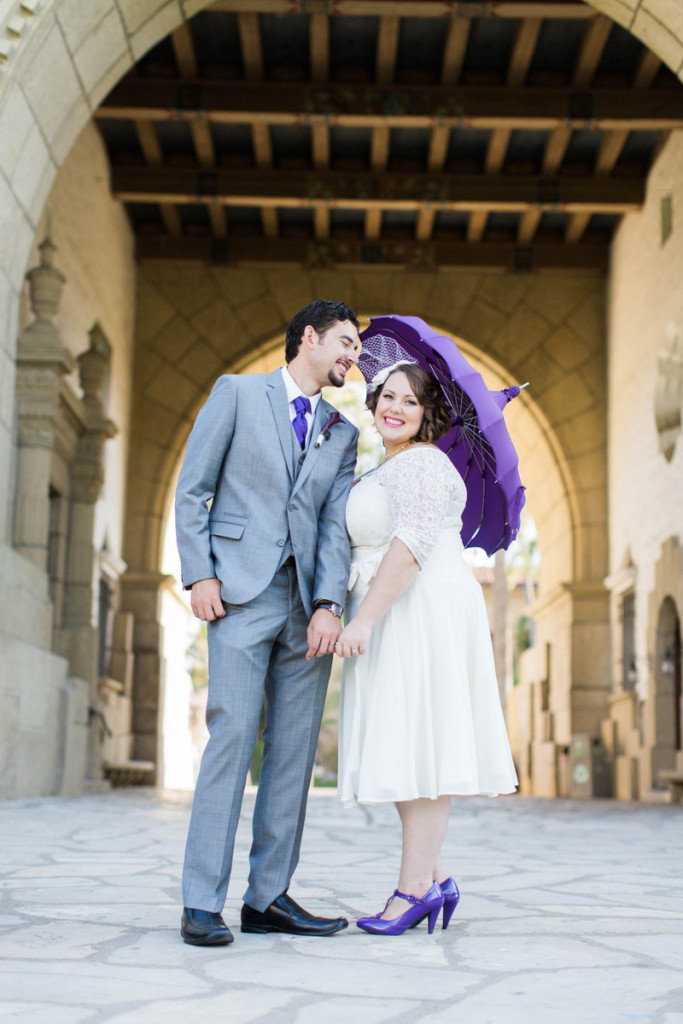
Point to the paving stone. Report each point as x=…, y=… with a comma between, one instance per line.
x=96, y=984
x=571, y=912
x=30, y=1013
x=56, y=941
x=227, y=1006
x=369, y=1010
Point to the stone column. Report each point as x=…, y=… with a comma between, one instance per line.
x=142, y=592
x=42, y=361
x=79, y=638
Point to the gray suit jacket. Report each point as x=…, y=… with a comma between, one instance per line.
x=239, y=459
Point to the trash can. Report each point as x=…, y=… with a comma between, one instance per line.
x=590, y=776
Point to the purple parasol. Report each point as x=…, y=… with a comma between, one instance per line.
x=478, y=443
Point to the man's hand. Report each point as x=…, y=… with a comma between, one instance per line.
x=323, y=630
x=206, y=600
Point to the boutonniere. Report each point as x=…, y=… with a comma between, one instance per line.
x=324, y=434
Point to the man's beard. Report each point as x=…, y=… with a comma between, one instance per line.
x=335, y=380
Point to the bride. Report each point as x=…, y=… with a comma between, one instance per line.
x=420, y=715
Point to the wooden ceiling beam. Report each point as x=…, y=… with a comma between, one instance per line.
x=373, y=224
x=369, y=106
x=528, y=226
x=184, y=52
x=154, y=157
x=438, y=148
x=321, y=222
x=523, y=50
x=379, y=148
x=576, y=228
x=610, y=150
x=365, y=191
x=555, y=148
x=476, y=225
x=495, y=158
x=262, y=145
x=319, y=47
x=454, y=51
x=522, y=54
x=320, y=146
x=436, y=161
x=497, y=150
x=171, y=219
x=331, y=253
x=250, y=41
x=269, y=221
x=148, y=141
x=646, y=71
x=425, y=225
x=218, y=221
x=186, y=61
x=387, y=49
x=263, y=156
x=466, y=9
x=203, y=143
x=594, y=40
x=379, y=159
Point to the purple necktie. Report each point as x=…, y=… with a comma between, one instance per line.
x=300, y=423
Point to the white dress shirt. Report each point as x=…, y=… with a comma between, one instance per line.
x=294, y=391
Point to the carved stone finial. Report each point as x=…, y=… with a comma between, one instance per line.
x=45, y=283
x=93, y=363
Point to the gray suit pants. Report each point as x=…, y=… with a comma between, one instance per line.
x=257, y=648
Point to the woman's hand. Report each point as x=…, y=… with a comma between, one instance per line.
x=354, y=639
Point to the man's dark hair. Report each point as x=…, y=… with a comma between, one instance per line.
x=320, y=314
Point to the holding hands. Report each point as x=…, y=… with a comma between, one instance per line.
x=354, y=639
x=325, y=636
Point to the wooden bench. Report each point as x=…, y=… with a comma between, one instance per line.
x=674, y=780
x=130, y=773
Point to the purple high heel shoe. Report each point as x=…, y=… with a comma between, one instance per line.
x=429, y=906
x=451, y=898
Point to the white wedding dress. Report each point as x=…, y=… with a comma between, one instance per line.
x=420, y=714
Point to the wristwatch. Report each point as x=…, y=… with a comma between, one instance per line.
x=330, y=606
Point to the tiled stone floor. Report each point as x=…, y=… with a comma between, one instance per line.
x=572, y=913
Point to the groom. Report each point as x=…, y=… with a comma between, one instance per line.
x=267, y=564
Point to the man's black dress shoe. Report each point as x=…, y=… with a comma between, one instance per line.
x=204, y=928
x=284, y=915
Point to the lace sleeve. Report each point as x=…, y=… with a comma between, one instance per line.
x=419, y=485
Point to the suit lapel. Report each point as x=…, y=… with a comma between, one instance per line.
x=277, y=394
x=322, y=414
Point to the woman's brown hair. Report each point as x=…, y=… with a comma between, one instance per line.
x=436, y=421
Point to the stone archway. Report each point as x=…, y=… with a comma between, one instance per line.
x=60, y=62
x=195, y=323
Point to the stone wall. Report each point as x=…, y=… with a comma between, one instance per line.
x=48, y=646
x=645, y=470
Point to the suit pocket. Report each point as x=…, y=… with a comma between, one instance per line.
x=227, y=525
